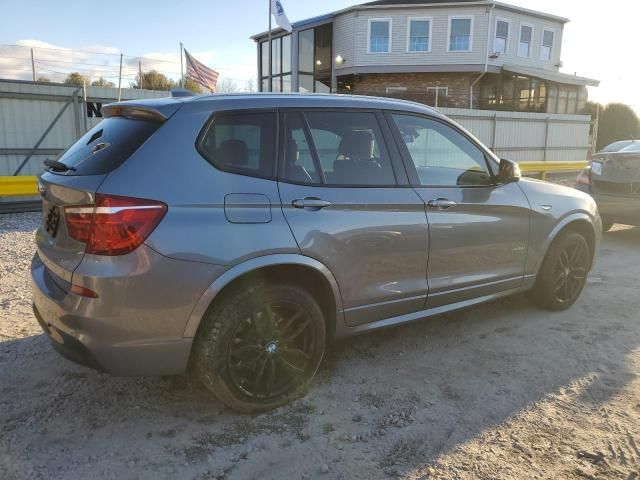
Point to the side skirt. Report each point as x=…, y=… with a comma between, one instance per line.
x=343, y=330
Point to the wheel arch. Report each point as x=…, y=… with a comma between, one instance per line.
x=304, y=271
x=577, y=222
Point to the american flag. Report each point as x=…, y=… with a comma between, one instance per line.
x=200, y=73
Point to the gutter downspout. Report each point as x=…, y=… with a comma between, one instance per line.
x=486, y=57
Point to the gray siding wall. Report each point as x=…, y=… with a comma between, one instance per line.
x=351, y=38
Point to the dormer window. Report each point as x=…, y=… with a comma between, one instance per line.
x=526, y=37
x=460, y=34
x=380, y=35
x=501, y=42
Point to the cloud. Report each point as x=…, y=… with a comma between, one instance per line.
x=94, y=61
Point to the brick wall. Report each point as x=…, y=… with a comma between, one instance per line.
x=417, y=84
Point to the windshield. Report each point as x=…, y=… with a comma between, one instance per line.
x=107, y=145
x=634, y=147
x=616, y=146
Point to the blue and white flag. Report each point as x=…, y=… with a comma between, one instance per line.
x=281, y=18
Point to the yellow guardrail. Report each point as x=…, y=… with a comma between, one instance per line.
x=20, y=186
x=543, y=168
x=23, y=186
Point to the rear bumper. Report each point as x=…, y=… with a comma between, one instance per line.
x=124, y=331
x=616, y=208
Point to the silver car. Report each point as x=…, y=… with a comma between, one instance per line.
x=238, y=234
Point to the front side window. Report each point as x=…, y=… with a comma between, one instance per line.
x=442, y=156
x=379, y=36
x=419, y=35
x=336, y=148
x=501, y=43
x=241, y=143
x=526, y=36
x=460, y=34
x=547, y=45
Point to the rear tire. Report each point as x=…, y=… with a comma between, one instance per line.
x=563, y=274
x=259, y=347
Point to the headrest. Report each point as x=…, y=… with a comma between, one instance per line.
x=234, y=152
x=357, y=145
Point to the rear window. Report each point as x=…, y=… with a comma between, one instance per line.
x=106, y=146
x=242, y=143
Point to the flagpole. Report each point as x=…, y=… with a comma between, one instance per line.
x=181, y=67
x=270, y=79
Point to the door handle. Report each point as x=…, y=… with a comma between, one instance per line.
x=311, y=203
x=442, y=204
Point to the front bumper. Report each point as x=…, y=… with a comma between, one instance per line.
x=127, y=331
x=616, y=208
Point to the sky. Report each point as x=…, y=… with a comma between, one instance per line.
x=599, y=42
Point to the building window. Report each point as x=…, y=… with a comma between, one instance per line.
x=460, y=33
x=501, y=42
x=546, y=51
x=419, y=35
x=437, y=96
x=314, y=59
x=280, y=80
x=526, y=36
x=379, y=36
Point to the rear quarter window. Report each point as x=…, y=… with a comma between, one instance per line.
x=242, y=142
x=107, y=145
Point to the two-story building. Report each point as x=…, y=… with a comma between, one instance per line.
x=457, y=53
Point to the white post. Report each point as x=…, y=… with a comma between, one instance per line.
x=120, y=80
x=270, y=79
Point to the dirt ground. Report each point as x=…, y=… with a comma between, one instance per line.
x=502, y=391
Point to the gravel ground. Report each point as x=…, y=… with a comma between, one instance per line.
x=502, y=391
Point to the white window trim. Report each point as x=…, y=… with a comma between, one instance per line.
x=533, y=33
x=553, y=47
x=495, y=33
x=390, y=22
x=460, y=17
x=429, y=42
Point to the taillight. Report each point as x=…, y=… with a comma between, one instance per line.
x=114, y=225
x=585, y=177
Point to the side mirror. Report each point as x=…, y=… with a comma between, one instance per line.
x=508, y=172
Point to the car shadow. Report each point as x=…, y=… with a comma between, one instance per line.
x=430, y=386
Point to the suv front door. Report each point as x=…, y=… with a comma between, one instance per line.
x=479, y=230
x=347, y=199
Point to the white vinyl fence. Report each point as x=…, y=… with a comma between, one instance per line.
x=39, y=121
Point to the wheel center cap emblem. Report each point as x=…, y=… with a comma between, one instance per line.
x=272, y=348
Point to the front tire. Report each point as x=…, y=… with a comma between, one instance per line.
x=260, y=347
x=563, y=274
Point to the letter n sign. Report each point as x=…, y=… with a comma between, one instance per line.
x=94, y=109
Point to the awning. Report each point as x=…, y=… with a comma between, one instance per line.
x=551, y=76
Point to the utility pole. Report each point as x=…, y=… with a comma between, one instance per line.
x=140, y=74
x=33, y=65
x=120, y=80
x=270, y=80
x=181, y=67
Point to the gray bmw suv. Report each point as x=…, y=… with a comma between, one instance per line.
x=238, y=234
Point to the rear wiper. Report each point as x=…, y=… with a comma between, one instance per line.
x=56, y=166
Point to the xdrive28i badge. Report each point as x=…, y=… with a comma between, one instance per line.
x=52, y=221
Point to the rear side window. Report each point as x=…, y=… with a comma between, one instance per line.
x=348, y=147
x=241, y=143
x=107, y=145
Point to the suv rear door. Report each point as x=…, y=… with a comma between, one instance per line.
x=347, y=199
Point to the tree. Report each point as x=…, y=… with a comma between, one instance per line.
x=101, y=82
x=617, y=122
x=251, y=85
x=193, y=86
x=76, y=78
x=227, y=85
x=42, y=78
x=154, y=80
